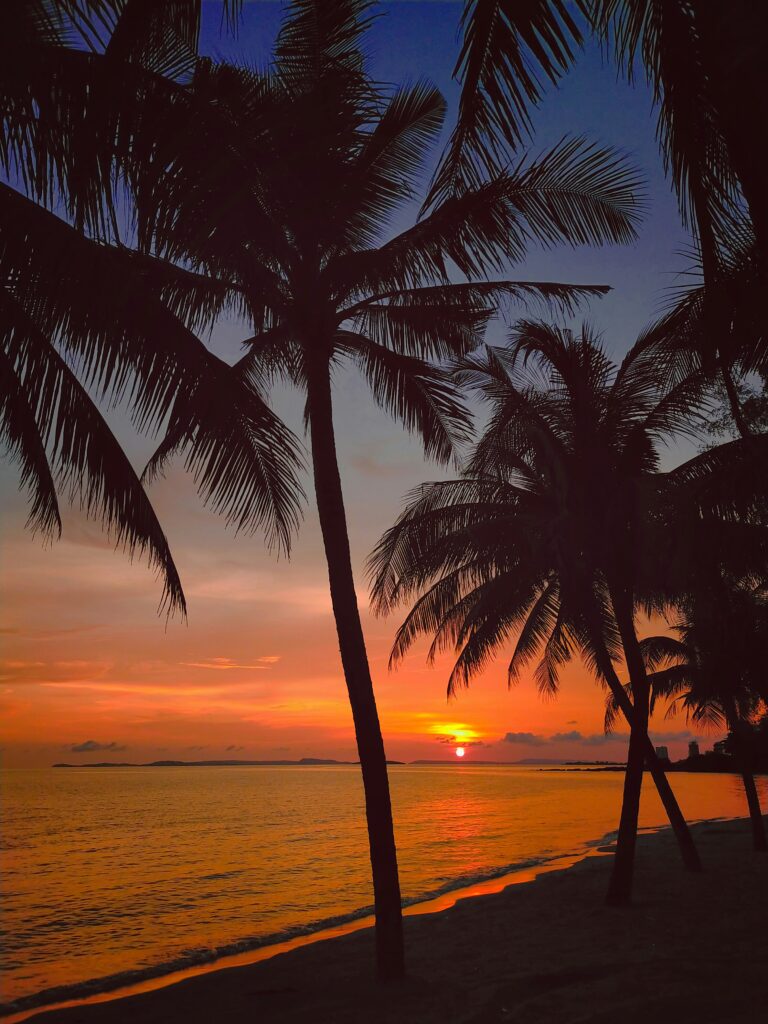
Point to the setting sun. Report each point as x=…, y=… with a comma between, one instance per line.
x=459, y=751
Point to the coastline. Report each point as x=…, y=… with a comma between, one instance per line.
x=136, y=982
x=499, y=943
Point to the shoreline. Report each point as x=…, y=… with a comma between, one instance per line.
x=292, y=973
x=434, y=904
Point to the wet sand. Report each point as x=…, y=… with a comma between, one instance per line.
x=691, y=948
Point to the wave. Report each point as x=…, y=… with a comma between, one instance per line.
x=210, y=954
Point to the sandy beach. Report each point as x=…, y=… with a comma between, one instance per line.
x=546, y=952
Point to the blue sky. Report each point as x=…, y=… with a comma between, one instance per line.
x=412, y=39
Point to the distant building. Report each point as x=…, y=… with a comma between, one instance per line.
x=693, y=749
x=720, y=747
x=662, y=753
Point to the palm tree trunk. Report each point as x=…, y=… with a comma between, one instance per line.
x=685, y=843
x=733, y=401
x=732, y=37
x=620, y=885
x=759, y=841
x=381, y=836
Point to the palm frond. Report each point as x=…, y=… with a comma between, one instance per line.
x=387, y=168
x=20, y=435
x=558, y=650
x=661, y=650
x=579, y=193
x=505, y=44
x=420, y=395
x=87, y=462
x=538, y=627
x=243, y=459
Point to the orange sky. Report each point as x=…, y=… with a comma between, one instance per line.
x=255, y=673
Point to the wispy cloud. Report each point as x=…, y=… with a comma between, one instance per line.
x=90, y=746
x=530, y=739
x=595, y=739
x=450, y=740
x=525, y=739
x=225, y=664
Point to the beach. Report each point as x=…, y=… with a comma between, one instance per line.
x=546, y=952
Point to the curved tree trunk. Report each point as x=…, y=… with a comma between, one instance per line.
x=733, y=401
x=755, y=814
x=759, y=841
x=620, y=885
x=685, y=843
x=381, y=837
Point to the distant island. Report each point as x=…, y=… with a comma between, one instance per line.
x=707, y=762
x=314, y=761
x=526, y=761
x=204, y=764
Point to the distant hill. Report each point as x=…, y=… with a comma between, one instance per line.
x=310, y=761
x=489, y=764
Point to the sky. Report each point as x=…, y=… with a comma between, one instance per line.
x=89, y=670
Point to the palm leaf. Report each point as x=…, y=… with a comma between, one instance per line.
x=20, y=436
x=243, y=459
x=505, y=45
x=418, y=394
x=87, y=462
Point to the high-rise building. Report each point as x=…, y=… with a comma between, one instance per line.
x=662, y=753
x=693, y=749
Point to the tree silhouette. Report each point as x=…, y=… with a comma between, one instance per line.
x=560, y=525
x=706, y=69
x=714, y=670
x=702, y=60
x=292, y=220
x=80, y=312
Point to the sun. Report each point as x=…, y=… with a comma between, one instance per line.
x=460, y=751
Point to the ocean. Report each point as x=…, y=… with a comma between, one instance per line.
x=111, y=875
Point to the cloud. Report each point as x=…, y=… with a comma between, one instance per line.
x=595, y=739
x=599, y=738
x=461, y=742
x=673, y=737
x=529, y=739
x=526, y=739
x=367, y=465
x=224, y=664
x=232, y=747
x=89, y=746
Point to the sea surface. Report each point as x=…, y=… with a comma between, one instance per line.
x=124, y=873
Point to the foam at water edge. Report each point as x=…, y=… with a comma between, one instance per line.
x=47, y=998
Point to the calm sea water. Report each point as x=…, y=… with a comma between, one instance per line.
x=134, y=871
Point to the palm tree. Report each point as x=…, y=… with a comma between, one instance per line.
x=291, y=219
x=705, y=64
x=683, y=339
x=551, y=533
x=77, y=309
x=714, y=671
